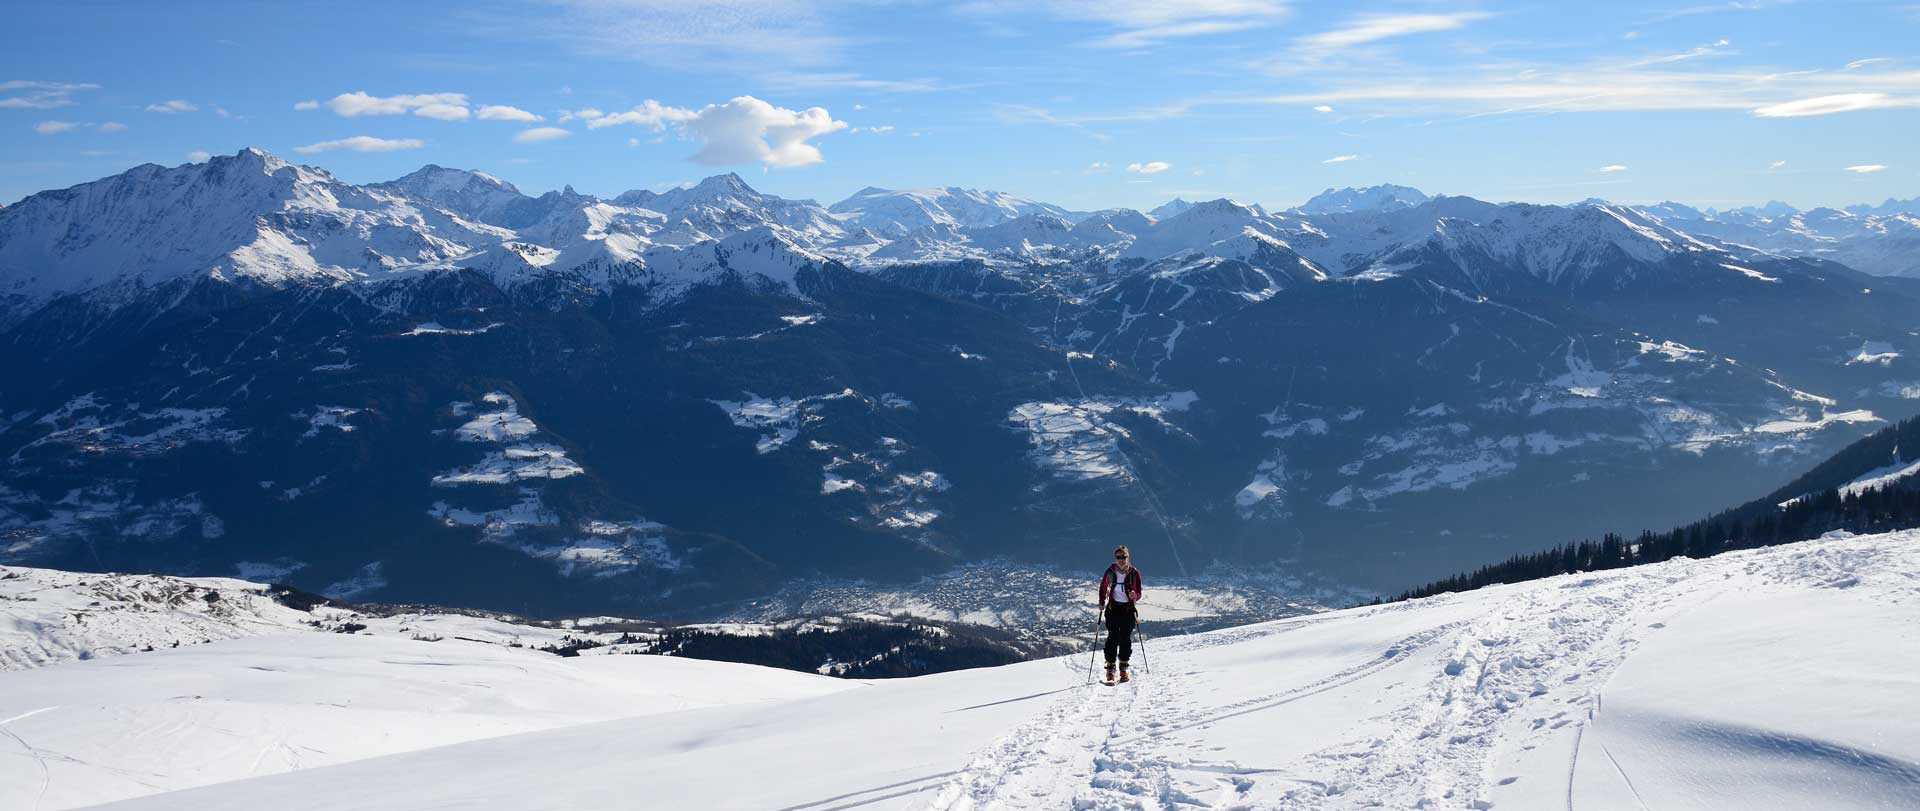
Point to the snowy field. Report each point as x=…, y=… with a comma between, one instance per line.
x=1786, y=678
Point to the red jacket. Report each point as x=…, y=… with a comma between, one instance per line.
x=1133, y=585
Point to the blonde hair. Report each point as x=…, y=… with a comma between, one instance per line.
x=1122, y=550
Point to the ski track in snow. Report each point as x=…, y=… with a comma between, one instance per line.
x=1495, y=688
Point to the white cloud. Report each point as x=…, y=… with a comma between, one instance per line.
x=1096, y=168
x=41, y=95
x=1866, y=168
x=650, y=114
x=859, y=106
x=749, y=35
x=173, y=106
x=54, y=127
x=443, y=106
x=222, y=112
x=1375, y=27
x=1717, y=48
x=309, y=104
x=1322, y=108
x=502, y=112
x=362, y=143
x=1861, y=63
x=744, y=130
x=847, y=81
x=199, y=156
x=1149, y=168
x=1610, y=168
x=1825, y=105
x=1776, y=164
x=1341, y=159
x=1145, y=23
x=881, y=130
x=538, y=134
x=584, y=113
x=112, y=126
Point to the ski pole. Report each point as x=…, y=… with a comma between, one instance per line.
x=1144, y=667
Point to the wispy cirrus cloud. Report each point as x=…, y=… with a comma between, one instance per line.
x=172, y=106
x=1712, y=49
x=1145, y=23
x=1375, y=27
x=743, y=130
x=804, y=80
x=1867, y=168
x=34, y=95
x=361, y=143
x=1341, y=159
x=55, y=127
x=751, y=36
x=1611, y=168
x=1828, y=105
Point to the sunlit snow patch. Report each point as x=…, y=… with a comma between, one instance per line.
x=1078, y=440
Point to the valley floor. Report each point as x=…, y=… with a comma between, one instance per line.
x=1783, y=678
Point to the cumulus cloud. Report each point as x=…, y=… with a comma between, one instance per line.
x=502, y=112
x=173, y=106
x=309, y=104
x=1612, y=167
x=650, y=114
x=584, y=114
x=1149, y=168
x=30, y=95
x=1825, y=105
x=443, y=106
x=744, y=130
x=362, y=143
x=54, y=127
x=1866, y=168
x=199, y=156
x=538, y=134
x=112, y=126
x=1341, y=159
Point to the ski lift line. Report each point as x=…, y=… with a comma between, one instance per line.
x=1153, y=501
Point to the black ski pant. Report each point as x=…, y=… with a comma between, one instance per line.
x=1121, y=617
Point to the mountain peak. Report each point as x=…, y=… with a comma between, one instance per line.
x=1384, y=197
x=1171, y=208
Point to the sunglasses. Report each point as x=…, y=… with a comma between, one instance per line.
x=1119, y=557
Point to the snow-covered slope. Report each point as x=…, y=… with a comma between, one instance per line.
x=894, y=213
x=1385, y=197
x=1768, y=679
x=248, y=216
x=98, y=731
x=476, y=196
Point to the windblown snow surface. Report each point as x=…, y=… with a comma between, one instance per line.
x=1785, y=678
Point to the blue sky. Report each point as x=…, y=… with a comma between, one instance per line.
x=1084, y=103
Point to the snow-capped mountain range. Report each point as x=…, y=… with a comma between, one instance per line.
x=247, y=363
